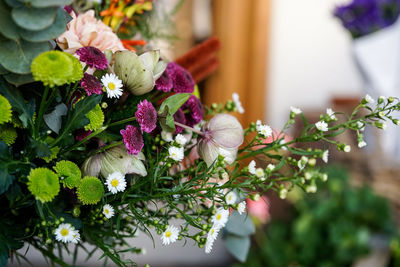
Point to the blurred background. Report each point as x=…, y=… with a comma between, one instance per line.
x=281, y=53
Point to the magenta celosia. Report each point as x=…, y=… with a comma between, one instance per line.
x=195, y=112
x=93, y=57
x=146, y=116
x=133, y=139
x=91, y=84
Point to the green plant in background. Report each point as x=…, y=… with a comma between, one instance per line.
x=333, y=227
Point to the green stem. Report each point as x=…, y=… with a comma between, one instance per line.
x=104, y=148
x=41, y=111
x=51, y=256
x=121, y=122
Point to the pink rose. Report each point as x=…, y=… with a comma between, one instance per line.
x=259, y=209
x=86, y=30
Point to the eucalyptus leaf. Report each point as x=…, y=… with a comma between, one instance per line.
x=34, y=19
x=56, y=29
x=53, y=119
x=240, y=224
x=13, y=3
x=40, y=148
x=238, y=246
x=47, y=3
x=17, y=56
x=3, y=70
x=7, y=26
x=173, y=103
x=18, y=79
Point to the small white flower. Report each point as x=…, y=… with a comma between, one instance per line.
x=282, y=142
x=260, y=173
x=347, y=148
x=325, y=177
x=76, y=237
x=308, y=176
x=331, y=114
x=311, y=189
x=220, y=218
x=170, y=235
x=360, y=126
x=264, y=130
x=369, y=99
x=167, y=136
x=302, y=162
x=108, y=211
x=271, y=167
x=256, y=197
x=295, y=110
x=64, y=232
x=112, y=84
x=231, y=198
x=228, y=156
x=325, y=156
x=180, y=139
x=384, y=126
x=242, y=207
x=176, y=153
x=258, y=124
x=211, y=237
x=116, y=182
x=220, y=190
x=322, y=126
x=283, y=193
x=252, y=167
x=362, y=144
x=225, y=176
x=238, y=104
x=381, y=98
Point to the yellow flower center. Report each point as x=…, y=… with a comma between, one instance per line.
x=168, y=233
x=219, y=216
x=64, y=232
x=111, y=86
x=106, y=211
x=212, y=231
x=114, y=182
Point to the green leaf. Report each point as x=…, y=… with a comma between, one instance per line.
x=17, y=56
x=40, y=148
x=7, y=26
x=18, y=79
x=238, y=246
x=52, y=32
x=167, y=123
x=13, y=3
x=3, y=70
x=173, y=103
x=25, y=110
x=34, y=19
x=53, y=119
x=240, y=224
x=47, y=3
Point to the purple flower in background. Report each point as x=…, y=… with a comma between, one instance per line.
x=93, y=57
x=179, y=116
x=195, y=111
x=82, y=134
x=182, y=80
x=362, y=17
x=146, y=115
x=133, y=139
x=91, y=84
x=164, y=83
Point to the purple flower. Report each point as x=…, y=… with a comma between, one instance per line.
x=182, y=80
x=164, y=83
x=91, y=84
x=179, y=116
x=133, y=139
x=82, y=134
x=146, y=116
x=195, y=111
x=93, y=57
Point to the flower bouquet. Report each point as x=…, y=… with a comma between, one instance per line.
x=99, y=142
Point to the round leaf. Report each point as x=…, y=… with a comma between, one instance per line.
x=46, y=3
x=7, y=26
x=18, y=79
x=34, y=19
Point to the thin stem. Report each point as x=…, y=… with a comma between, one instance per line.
x=41, y=110
x=104, y=148
x=189, y=128
x=121, y=122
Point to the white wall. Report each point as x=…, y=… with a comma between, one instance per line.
x=310, y=58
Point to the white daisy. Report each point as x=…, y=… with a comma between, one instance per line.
x=331, y=113
x=116, y=182
x=211, y=237
x=76, y=237
x=271, y=167
x=252, y=167
x=260, y=173
x=242, y=207
x=176, y=153
x=231, y=198
x=264, y=130
x=362, y=144
x=167, y=136
x=347, y=148
x=170, y=235
x=237, y=102
x=322, y=126
x=295, y=110
x=108, y=211
x=180, y=139
x=112, y=84
x=64, y=232
x=311, y=189
x=369, y=99
x=325, y=156
x=220, y=218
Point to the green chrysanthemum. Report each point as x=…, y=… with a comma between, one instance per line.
x=54, y=152
x=96, y=118
x=8, y=134
x=43, y=184
x=69, y=173
x=5, y=110
x=56, y=68
x=90, y=190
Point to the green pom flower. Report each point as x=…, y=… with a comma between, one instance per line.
x=54, y=152
x=90, y=190
x=69, y=173
x=8, y=135
x=56, y=68
x=43, y=184
x=96, y=118
x=5, y=110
